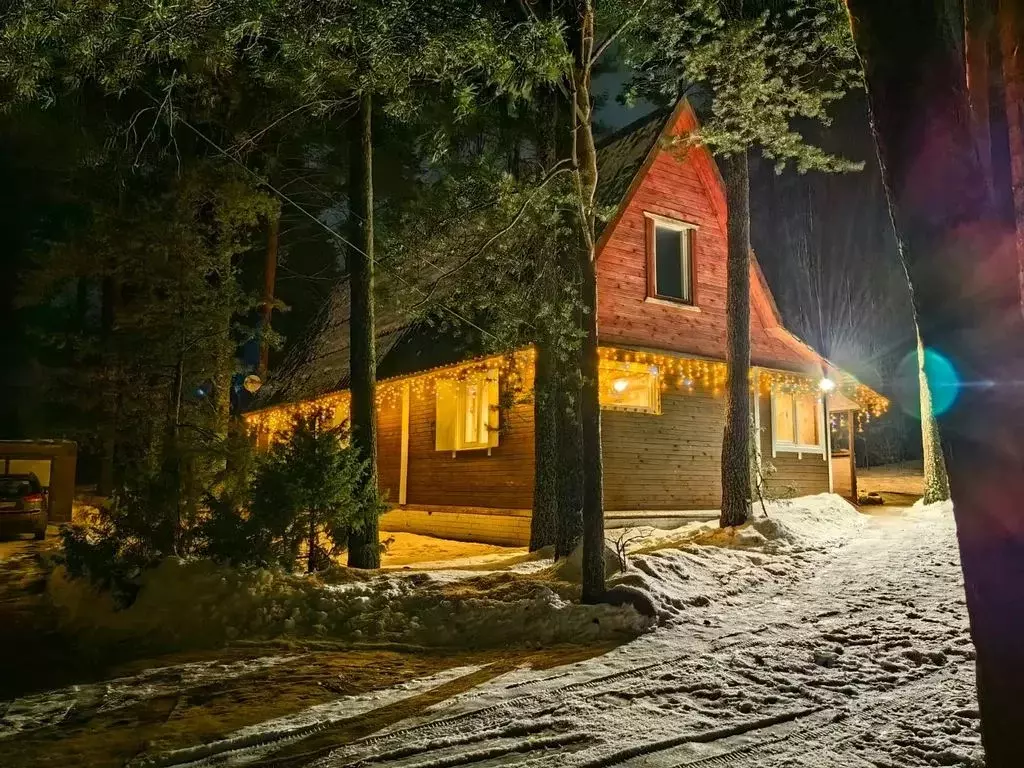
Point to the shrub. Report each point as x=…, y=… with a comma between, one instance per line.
x=305, y=494
x=299, y=500
x=131, y=533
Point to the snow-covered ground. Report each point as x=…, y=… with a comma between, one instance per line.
x=815, y=637
x=905, y=478
x=856, y=654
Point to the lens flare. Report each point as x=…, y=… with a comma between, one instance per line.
x=943, y=382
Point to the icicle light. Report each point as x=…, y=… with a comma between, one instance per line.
x=680, y=374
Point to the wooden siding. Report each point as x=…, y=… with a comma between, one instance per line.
x=666, y=462
x=688, y=190
x=389, y=449
x=469, y=478
x=794, y=475
x=652, y=462
x=842, y=477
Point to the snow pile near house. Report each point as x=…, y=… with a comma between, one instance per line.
x=672, y=575
x=702, y=564
x=199, y=603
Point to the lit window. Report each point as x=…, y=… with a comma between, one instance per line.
x=796, y=422
x=630, y=386
x=467, y=412
x=670, y=259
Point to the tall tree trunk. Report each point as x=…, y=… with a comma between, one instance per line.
x=964, y=275
x=978, y=34
x=593, y=576
x=173, y=455
x=112, y=388
x=364, y=546
x=936, y=482
x=1011, y=43
x=544, y=522
x=736, y=439
x=546, y=390
x=311, y=553
x=580, y=37
x=569, y=525
x=267, y=303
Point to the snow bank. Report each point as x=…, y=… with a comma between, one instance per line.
x=936, y=509
x=701, y=564
x=198, y=603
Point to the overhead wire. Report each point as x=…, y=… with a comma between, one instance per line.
x=316, y=220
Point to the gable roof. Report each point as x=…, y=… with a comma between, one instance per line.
x=649, y=138
x=621, y=155
x=319, y=361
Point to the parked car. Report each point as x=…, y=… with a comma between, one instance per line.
x=23, y=507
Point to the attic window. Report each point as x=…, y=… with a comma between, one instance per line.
x=670, y=262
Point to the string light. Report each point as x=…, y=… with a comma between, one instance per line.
x=684, y=374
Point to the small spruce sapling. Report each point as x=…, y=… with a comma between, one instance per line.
x=306, y=495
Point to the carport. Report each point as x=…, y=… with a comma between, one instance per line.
x=53, y=462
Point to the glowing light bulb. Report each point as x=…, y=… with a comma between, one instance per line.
x=826, y=385
x=620, y=385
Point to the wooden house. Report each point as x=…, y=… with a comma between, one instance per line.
x=454, y=464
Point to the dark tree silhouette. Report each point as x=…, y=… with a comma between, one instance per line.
x=964, y=274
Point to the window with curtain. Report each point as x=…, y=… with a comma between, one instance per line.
x=796, y=422
x=467, y=412
x=628, y=386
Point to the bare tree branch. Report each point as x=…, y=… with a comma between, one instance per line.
x=604, y=46
x=557, y=170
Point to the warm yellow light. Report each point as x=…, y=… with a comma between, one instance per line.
x=687, y=374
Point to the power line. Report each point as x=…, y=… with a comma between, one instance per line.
x=320, y=223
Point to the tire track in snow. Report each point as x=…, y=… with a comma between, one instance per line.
x=867, y=599
x=868, y=591
x=810, y=739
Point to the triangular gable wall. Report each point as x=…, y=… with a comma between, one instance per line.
x=688, y=188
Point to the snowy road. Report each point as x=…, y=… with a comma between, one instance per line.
x=814, y=637
x=864, y=659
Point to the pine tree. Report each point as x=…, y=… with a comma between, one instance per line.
x=760, y=68
x=386, y=57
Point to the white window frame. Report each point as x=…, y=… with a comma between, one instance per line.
x=608, y=366
x=779, y=446
x=481, y=418
x=689, y=232
x=487, y=422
